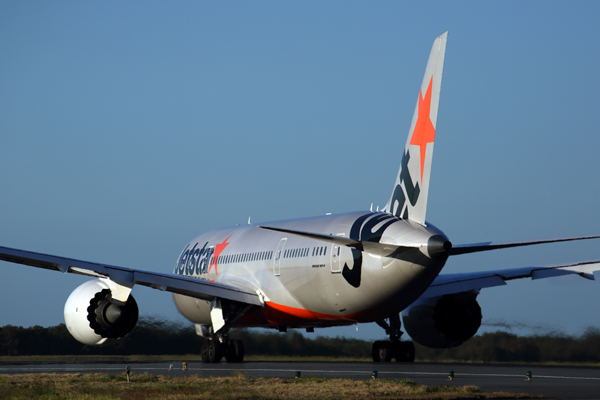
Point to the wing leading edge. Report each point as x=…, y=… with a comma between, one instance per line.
x=188, y=286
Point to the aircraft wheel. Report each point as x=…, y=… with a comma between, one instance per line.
x=215, y=351
x=405, y=352
x=204, y=350
x=385, y=352
x=235, y=353
x=375, y=351
x=382, y=351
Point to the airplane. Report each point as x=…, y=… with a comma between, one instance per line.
x=380, y=266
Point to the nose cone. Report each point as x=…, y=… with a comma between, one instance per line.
x=438, y=246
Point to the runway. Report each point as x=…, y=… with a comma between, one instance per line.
x=550, y=381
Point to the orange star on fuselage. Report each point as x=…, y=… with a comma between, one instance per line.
x=424, y=131
x=218, y=250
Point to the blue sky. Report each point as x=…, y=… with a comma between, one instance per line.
x=128, y=129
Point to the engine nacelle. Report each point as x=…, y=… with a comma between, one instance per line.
x=445, y=321
x=93, y=318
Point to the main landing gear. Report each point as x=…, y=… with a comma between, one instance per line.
x=385, y=350
x=213, y=350
x=217, y=343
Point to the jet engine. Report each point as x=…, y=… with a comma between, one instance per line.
x=445, y=321
x=95, y=319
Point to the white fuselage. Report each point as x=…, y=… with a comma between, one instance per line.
x=310, y=283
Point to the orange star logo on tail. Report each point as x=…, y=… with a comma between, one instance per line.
x=424, y=131
x=218, y=250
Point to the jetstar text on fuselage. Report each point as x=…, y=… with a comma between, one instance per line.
x=194, y=261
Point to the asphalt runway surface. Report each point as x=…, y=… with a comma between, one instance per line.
x=553, y=382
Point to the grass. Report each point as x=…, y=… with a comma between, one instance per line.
x=145, y=386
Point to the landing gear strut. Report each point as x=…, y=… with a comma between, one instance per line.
x=218, y=345
x=384, y=350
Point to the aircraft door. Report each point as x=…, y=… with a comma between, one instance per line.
x=335, y=257
x=278, y=255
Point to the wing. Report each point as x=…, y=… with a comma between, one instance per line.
x=464, y=282
x=486, y=246
x=189, y=286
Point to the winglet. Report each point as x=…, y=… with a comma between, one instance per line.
x=409, y=197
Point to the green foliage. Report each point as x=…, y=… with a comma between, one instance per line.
x=96, y=386
x=404, y=382
x=16, y=340
x=151, y=336
x=154, y=336
x=507, y=347
x=314, y=379
x=442, y=388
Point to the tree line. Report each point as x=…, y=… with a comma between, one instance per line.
x=155, y=337
x=507, y=347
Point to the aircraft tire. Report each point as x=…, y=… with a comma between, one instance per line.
x=382, y=351
x=215, y=351
x=375, y=351
x=204, y=350
x=235, y=353
x=405, y=352
x=385, y=352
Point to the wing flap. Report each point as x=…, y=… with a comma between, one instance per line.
x=189, y=286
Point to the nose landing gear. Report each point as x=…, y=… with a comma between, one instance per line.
x=385, y=351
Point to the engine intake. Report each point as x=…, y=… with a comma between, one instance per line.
x=95, y=319
x=110, y=320
x=445, y=321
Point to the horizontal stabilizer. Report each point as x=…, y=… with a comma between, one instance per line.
x=486, y=246
x=386, y=250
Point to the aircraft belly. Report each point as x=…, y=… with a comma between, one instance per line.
x=389, y=290
x=325, y=298
x=195, y=310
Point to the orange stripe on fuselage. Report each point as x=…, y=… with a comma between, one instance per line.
x=278, y=314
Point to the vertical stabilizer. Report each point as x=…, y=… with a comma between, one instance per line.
x=409, y=197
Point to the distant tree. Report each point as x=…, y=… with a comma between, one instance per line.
x=155, y=336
